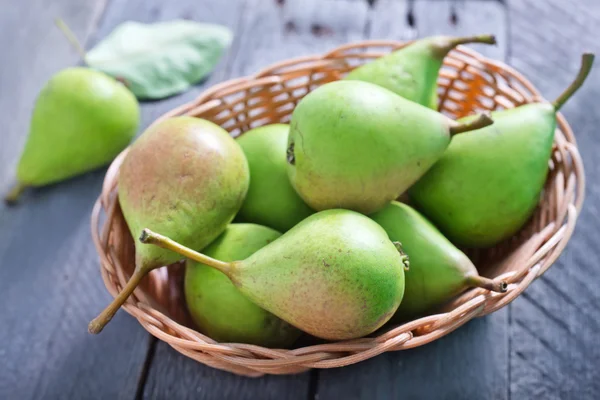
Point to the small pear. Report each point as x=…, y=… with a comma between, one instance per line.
x=218, y=307
x=335, y=275
x=81, y=120
x=183, y=176
x=271, y=199
x=412, y=71
x=488, y=183
x=358, y=146
x=438, y=270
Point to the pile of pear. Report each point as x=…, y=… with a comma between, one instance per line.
x=296, y=228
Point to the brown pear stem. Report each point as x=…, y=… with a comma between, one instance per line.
x=494, y=285
x=14, y=193
x=487, y=39
x=98, y=323
x=587, y=60
x=443, y=45
x=64, y=28
x=150, y=237
x=481, y=121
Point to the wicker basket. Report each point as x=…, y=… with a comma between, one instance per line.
x=468, y=82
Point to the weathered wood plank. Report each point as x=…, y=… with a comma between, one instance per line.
x=459, y=18
x=467, y=364
x=554, y=325
x=173, y=376
x=266, y=32
x=49, y=276
x=42, y=330
x=272, y=33
x=392, y=19
x=170, y=374
x=402, y=20
x=472, y=361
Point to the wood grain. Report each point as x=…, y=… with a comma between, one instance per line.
x=174, y=376
x=266, y=32
x=544, y=345
x=460, y=18
x=271, y=32
x=473, y=361
x=170, y=374
x=49, y=275
x=391, y=19
x=554, y=324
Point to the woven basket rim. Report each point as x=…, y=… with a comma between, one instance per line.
x=540, y=250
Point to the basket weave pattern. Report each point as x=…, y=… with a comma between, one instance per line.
x=468, y=83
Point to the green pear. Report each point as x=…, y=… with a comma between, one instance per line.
x=438, y=270
x=218, y=307
x=183, y=176
x=81, y=120
x=356, y=145
x=271, y=199
x=488, y=183
x=335, y=275
x=412, y=71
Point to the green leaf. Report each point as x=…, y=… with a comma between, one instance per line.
x=161, y=59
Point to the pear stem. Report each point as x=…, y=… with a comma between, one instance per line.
x=487, y=39
x=150, y=237
x=64, y=28
x=442, y=45
x=486, y=283
x=481, y=121
x=587, y=60
x=14, y=193
x=98, y=323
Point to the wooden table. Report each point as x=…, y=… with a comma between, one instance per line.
x=544, y=345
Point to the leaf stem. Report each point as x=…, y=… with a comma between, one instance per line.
x=64, y=28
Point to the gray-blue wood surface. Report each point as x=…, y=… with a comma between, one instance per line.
x=544, y=345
